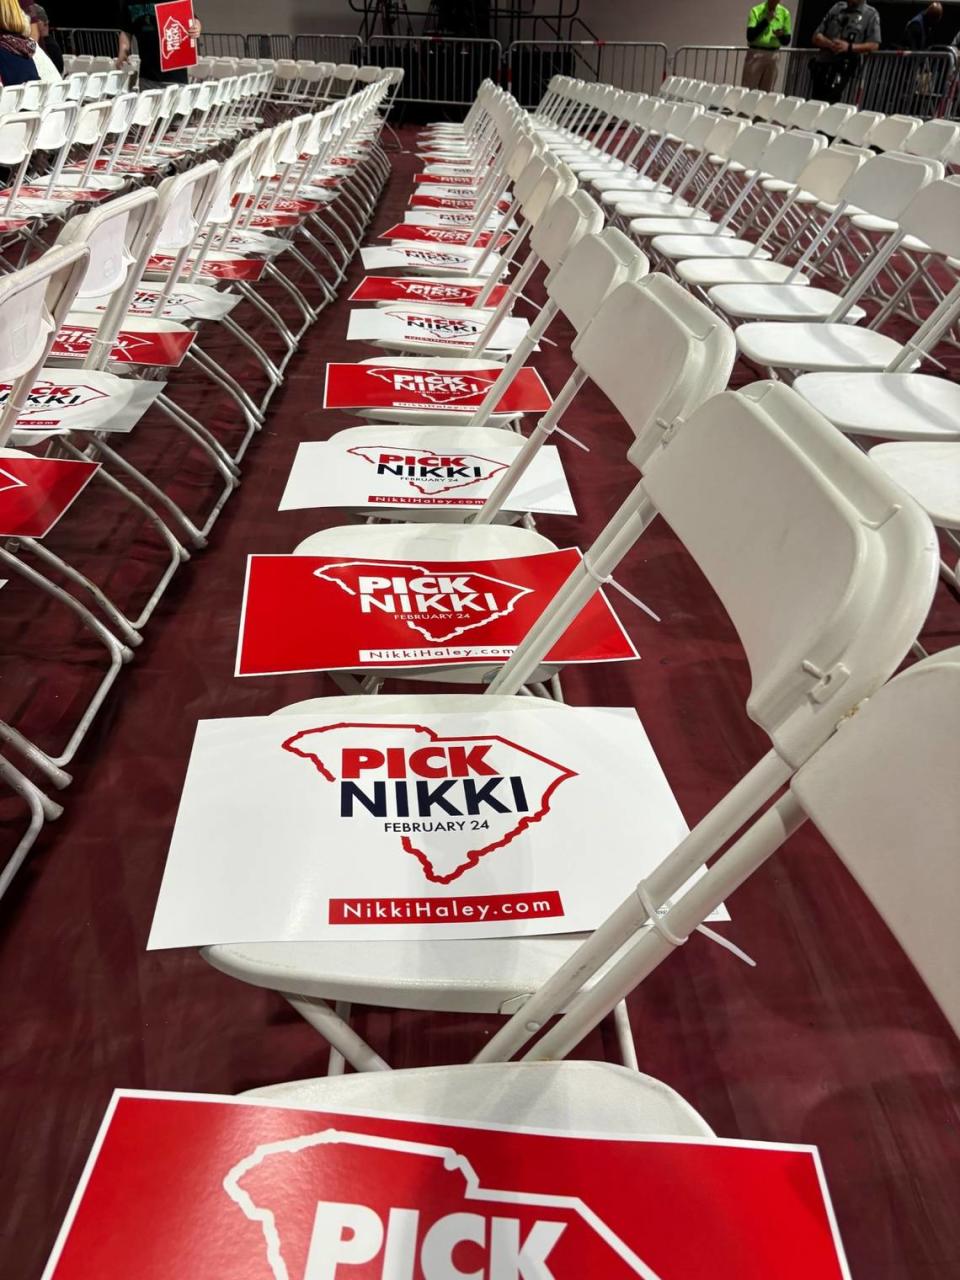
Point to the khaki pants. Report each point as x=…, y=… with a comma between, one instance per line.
x=760, y=69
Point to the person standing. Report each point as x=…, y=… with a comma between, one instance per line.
x=769, y=28
x=919, y=32
x=846, y=31
x=44, y=39
x=16, y=47
x=140, y=21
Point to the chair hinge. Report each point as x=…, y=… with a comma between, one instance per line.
x=827, y=682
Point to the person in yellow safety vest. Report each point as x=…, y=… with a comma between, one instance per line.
x=769, y=27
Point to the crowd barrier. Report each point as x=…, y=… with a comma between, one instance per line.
x=446, y=71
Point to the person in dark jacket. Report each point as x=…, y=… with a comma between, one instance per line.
x=920, y=32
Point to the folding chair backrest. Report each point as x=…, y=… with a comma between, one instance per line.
x=892, y=132
x=827, y=174
x=751, y=143
x=833, y=118
x=788, y=154
x=147, y=107
x=732, y=99
x=887, y=183
x=183, y=204
x=724, y=134
x=91, y=124
x=834, y=597
x=33, y=304
x=535, y=194
x=655, y=352
x=933, y=216
x=807, y=115
x=57, y=93
x=18, y=135
x=747, y=106
x=785, y=110
x=522, y=152
x=96, y=85
x=565, y=221
x=593, y=268
x=767, y=106
x=57, y=127
x=113, y=234
x=883, y=792
x=934, y=139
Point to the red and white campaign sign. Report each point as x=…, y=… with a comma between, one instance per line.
x=441, y=190
x=446, y=218
x=456, y=180
x=440, y=235
x=413, y=326
x=465, y=260
x=215, y=266
x=462, y=824
x=321, y=613
x=186, y=302
x=195, y=1186
x=35, y=492
x=405, y=288
x=60, y=401
x=385, y=386
x=177, y=49
x=419, y=201
x=422, y=469
x=158, y=342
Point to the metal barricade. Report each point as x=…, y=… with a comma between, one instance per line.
x=267, y=45
x=628, y=64
x=99, y=42
x=444, y=71
x=328, y=48
x=891, y=80
x=222, y=44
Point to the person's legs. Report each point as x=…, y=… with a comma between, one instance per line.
x=751, y=71
x=144, y=84
x=768, y=73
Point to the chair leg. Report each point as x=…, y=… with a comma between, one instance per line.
x=42, y=810
x=39, y=759
x=338, y=1033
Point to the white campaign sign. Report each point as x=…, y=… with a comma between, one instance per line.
x=380, y=825
x=413, y=324
x=397, y=472
x=420, y=256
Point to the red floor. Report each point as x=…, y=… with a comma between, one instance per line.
x=831, y=1040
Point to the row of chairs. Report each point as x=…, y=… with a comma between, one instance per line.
x=192, y=204
x=757, y=217
x=824, y=565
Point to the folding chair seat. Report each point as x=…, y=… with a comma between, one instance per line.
x=933, y=219
x=806, y=473
x=576, y=1097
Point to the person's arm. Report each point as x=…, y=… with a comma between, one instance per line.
x=757, y=23
x=871, y=41
x=820, y=39
x=785, y=34
x=123, y=48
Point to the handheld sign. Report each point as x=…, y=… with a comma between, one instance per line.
x=459, y=824
x=330, y=613
x=182, y=1185
x=410, y=289
x=177, y=48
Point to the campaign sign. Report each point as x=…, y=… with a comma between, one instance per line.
x=89, y=401
x=459, y=327
x=442, y=218
x=463, y=203
x=384, y=386
x=419, y=289
x=192, y=1186
x=463, y=261
x=35, y=492
x=461, y=180
x=161, y=343
x=405, y=471
x=323, y=613
x=215, y=266
x=440, y=235
x=177, y=49
x=186, y=302
x=466, y=824
x=440, y=190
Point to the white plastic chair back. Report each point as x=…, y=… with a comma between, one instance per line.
x=57, y=127
x=92, y=121
x=891, y=133
x=785, y=110
x=566, y=220
x=113, y=234
x=935, y=139
x=724, y=134
x=656, y=352
x=751, y=144
x=933, y=216
x=835, y=600
x=57, y=93
x=96, y=85
x=887, y=184
x=832, y=119
x=883, y=792
x=827, y=174
x=807, y=115
x=147, y=108
x=592, y=269
x=858, y=129
x=33, y=304
x=767, y=106
x=788, y=154
x=76, y=86
x=748, y=104
x=18, y=135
